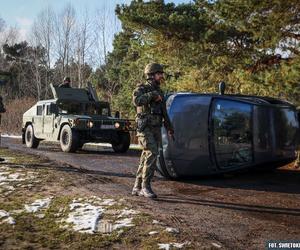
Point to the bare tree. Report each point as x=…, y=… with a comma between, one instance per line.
x=42, y=35
x=84, y=44
x=64, y=30
x=106, y=25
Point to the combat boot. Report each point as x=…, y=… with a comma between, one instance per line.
x=147, y=192
x=137, y=187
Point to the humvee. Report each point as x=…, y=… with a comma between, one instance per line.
x=73, y=117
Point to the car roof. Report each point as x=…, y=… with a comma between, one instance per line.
x=245, y=98
x=46, y=101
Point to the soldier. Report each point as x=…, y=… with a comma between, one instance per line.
x=151, y=112
x=66, y=83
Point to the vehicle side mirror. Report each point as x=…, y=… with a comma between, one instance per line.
x=117, y=114
x=222, y=87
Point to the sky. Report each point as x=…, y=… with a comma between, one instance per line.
x=21, y=13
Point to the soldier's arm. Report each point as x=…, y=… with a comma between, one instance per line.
x=140, y=98
x=167, y=121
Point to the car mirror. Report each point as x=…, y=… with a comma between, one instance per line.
x=117, y=114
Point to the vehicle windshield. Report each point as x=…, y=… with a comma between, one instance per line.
x=76, y=108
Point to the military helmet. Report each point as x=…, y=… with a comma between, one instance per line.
x=153, y=68
x=67, y=79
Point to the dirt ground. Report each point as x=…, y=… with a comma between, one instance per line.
x=236, y=211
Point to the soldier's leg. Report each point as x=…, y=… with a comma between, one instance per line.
x=157, y=139
x=139, y=175
x=139, y=172
x=151, y=152
x=150, y=166
x=138, y=180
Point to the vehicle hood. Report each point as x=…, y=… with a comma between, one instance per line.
x=94, y=117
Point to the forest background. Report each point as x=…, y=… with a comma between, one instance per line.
x=252, y=45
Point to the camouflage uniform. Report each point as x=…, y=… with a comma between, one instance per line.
x=66, y=83
x=150, y=115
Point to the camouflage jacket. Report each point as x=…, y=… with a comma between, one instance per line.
x=153, y=112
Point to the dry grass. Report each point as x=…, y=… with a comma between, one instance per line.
x=12, y=118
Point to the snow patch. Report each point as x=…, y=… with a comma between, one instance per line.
x=10, y=179
x=8, y=176
x=86, y=216
x=38, y=205
x=156, y=222
x=153, y=232
x=172, y=230
x=127, y=222
x=11, y=136
x=125, y=212
x=7, y=159
x=168, y=246
x=216, y=245
x=6, y=217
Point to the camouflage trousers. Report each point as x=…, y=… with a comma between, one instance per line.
x=150, y=140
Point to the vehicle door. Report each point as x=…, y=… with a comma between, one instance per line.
x=38, y=121
x=48, y=120
x=232, y=138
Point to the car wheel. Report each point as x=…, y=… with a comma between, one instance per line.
x=123, y=143
x=69, y=140
x=30, y=140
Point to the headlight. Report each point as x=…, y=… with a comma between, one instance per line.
x=117, y=125
x=90, y=124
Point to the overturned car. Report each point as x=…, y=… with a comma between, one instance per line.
x=217, y=133
x=75, y=116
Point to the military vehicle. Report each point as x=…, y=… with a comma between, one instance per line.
x=217, y=133
x=75, y=116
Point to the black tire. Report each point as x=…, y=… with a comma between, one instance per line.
x=69, y=140
x=30, y=140
x=123, y=143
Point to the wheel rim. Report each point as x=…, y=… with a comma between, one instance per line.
x=65, y=138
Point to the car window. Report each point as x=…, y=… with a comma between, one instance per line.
x=39, y=110
x=48, y=112
x=105, y=111
x=232, y=132
x=286, y=127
